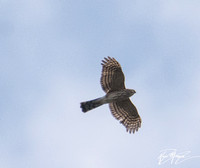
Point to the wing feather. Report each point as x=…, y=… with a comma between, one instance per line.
x=127, y=114
x=112, y=77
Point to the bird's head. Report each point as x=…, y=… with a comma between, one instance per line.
x=131, y=92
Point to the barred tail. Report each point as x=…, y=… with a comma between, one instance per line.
x=89, y=105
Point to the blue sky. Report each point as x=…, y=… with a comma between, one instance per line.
x=50, y=54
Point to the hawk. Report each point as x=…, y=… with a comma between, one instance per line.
x=117, y=96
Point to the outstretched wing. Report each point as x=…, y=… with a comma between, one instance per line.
x=127, y=113
x=112, y=77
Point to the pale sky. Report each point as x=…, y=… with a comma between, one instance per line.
x=50, y=55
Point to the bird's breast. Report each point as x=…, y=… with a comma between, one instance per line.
x=117, y=96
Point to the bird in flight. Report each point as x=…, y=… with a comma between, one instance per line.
x=117, y=96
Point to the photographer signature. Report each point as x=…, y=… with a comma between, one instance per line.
x=172, y=156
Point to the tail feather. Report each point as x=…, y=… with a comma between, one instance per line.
x=89, y=105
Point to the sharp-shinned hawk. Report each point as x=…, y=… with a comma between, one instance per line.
x=117, y=96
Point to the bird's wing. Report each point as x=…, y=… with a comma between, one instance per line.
x=127, y=113
x=112, y=77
